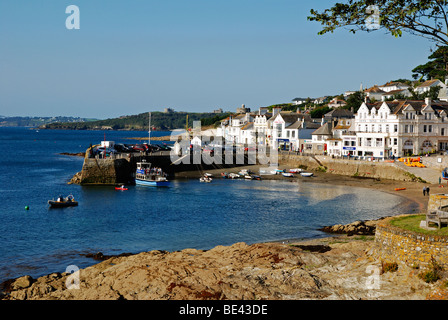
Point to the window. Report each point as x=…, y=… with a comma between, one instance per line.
x=430, y=128
x=406, y=129
x=395, y=127
x=379, y=142
x=442, y=131
x=293, y=134
x=395, y=141
x=368, y=142
x=425, y=128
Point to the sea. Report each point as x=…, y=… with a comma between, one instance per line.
x=189, y=214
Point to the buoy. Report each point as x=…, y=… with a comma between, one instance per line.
x=27, y=208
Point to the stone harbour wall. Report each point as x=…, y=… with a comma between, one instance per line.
x=413, y=249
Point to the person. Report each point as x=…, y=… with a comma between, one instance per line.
x=427, y=191
x=424, y=190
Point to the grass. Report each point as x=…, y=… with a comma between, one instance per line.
x=412, y=223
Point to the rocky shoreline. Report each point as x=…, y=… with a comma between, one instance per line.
x=333, y=268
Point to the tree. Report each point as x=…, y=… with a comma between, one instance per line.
x=425, y=18
x=355, y=101
x=437, y=68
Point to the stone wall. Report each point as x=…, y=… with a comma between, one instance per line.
x=413, y=249
x=105, y=171
x=356, y=168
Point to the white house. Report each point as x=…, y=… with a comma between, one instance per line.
x=401, y=128
x=427, y=85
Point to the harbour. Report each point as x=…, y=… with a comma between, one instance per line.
x=42, y=241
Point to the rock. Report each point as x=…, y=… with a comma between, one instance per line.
x=22, y=283
x=355, y=228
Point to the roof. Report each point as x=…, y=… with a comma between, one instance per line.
x=428, y=83
x=324, y=130
x=395, y=83
x=339, y=113
x=248, y=126
x=374, y=89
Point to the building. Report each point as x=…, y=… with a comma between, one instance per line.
x=401, y=127
x=427, y=85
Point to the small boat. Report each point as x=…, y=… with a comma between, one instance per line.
x=224, y=175
x=278, y=171
x=295, y=170
x=445, y=174
x=233, y=175
x=400, y=189
x=205, y=179
x=208, y=175
x=287, y=174
x=255, y=177
x=63, y=202
x=122, y=188
x=248, y=177
x=306, y=174
x=150, y=177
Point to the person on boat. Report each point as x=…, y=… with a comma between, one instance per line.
x=60, y=198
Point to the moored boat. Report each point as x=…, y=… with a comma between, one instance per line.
x=205, y=179
x=63, y=202
x=445, y=174
x=122, y=188
x=150, y=177
x=287, y=174
x=306, y=174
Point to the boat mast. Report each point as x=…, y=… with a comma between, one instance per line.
x=149, y=129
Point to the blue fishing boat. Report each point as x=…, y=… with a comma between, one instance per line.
x=150, y=176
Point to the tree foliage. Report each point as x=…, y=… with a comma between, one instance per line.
x=436, y=68
x=425, y=18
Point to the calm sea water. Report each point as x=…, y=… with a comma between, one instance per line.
x=187, y=215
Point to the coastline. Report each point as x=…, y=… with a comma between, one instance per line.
x=412, y=197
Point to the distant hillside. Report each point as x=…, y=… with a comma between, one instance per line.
x=159, y=121
x=37, y=121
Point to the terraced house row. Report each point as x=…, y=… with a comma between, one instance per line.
x=381, y=130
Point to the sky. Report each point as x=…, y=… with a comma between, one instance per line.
x=130, y=57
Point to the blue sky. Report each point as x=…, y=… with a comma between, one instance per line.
x=130, y=57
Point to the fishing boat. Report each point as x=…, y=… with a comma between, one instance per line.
x=445, y=174
x=287, y=174
x=306, y=174
x=63, y=202
x=150, y=177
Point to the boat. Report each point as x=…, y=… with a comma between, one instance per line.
x=400, y=189
x=122, y=188
x=248, y=177
x=278, y=171
x=233, y=175
x=287, y=174
x=306, y=174
x=63, y=202
x=150, y=177
x=295, y=170
x=205, y=179
x=224, y=175
x=208, y=175
x=445, y=174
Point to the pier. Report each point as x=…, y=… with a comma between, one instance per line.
x=120, y=168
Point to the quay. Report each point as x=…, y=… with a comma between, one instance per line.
x=120, y=168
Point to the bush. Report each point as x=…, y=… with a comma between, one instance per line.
x=389, y=266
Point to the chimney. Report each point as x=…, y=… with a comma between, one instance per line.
x=276, y=111
x=428, y=101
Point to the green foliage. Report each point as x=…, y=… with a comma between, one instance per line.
x=389, y=266
x=425, y=18
x=434, y=273
x=159, y=121
x=436, y=68
x=319, y=112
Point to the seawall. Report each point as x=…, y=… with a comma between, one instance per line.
x=410, y=248
x=354, y=168
x=121, y=171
